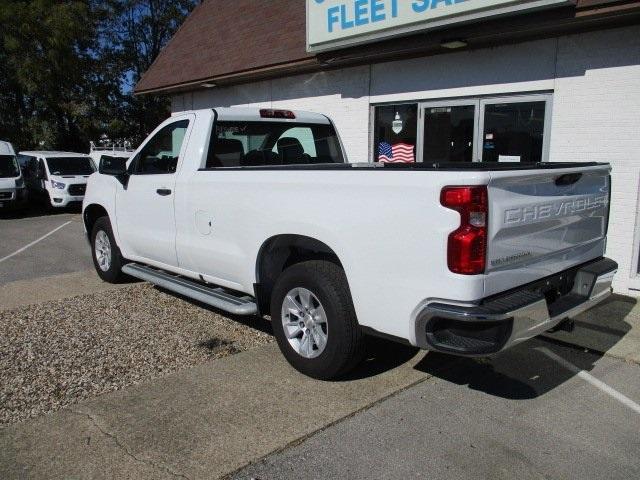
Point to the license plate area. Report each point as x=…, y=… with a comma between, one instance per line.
x=555, y=287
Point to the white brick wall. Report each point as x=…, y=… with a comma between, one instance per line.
x=596, y=117
x=595, y=78
x=467, y=73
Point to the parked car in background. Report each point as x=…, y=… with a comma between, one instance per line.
x=109, y=150
x=57, y=178
x=13, y=194
x=257, y=211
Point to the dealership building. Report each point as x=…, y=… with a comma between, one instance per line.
x=433, y=80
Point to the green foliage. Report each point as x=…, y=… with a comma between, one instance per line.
x=69, y=67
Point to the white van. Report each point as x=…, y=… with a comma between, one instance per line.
x=13, y=193
x=58, y=178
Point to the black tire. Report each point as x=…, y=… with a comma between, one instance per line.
x=345, y=341
x=113, y=274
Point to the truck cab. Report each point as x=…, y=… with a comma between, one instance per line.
x=12, y=189
x=59, y=179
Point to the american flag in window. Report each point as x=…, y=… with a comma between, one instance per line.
x=396, y=153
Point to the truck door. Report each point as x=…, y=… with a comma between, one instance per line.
x=145, y=207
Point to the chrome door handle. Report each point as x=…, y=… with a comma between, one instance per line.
x=163, y=191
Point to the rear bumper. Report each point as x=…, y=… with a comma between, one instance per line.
x=503, y=321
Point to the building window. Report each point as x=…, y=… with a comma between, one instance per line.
x=448, y=133
x=513, y=131
x=512, y=128
x=395, y=133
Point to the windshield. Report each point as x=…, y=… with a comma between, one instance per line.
x=9, y=166
x=70, y=166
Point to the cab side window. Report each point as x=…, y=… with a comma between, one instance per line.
x=160, y=154
x=27, y=164
x=33, y=167
x=23, y=161
x=41, y=170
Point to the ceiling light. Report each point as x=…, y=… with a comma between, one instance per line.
x=452, y=44
x=208, y=85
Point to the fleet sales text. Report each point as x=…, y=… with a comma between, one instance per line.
x=362, y=12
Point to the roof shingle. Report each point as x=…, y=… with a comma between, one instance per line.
x=228, y=36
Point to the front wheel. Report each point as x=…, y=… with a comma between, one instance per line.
x=107, y=259
x=314, y=321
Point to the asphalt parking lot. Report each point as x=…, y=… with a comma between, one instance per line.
x=44, y=256
x=119, y=384
x=60, y=246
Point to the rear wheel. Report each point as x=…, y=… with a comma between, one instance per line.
x=107, y=259
x=314, y=321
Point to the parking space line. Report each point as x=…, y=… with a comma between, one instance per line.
x=592, y=380
x=29, y=245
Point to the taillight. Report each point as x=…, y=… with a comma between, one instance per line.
x=467, y=246
x=271, y=113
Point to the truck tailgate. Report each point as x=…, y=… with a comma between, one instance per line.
x=542, y=222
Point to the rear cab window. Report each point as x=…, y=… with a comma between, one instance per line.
x=264, y=143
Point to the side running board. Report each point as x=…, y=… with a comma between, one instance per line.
x=215, y=296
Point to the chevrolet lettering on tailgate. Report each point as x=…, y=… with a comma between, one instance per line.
x=557, y=209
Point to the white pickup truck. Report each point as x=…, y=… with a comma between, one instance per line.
x=257, y=212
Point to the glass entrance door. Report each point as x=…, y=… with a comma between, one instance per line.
x=449, y=131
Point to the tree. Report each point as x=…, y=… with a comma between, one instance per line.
x=69, y=68
x=52, y=81
x=137, y=32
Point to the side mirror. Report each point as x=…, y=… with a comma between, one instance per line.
x=115, y=166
